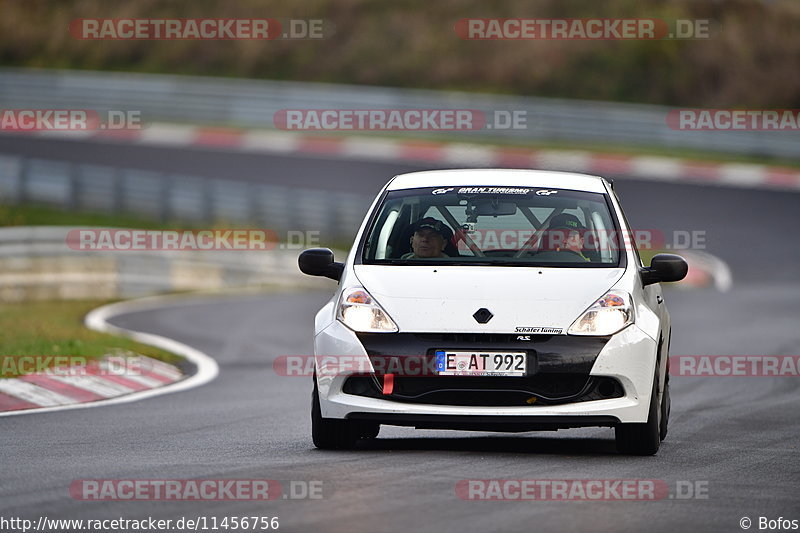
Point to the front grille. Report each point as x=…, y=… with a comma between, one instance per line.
x=541, y=389
x=550, y=353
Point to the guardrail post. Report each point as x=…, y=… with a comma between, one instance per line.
x=165, y=207
x=253, y=205
x=208, y=201
x=74, y=200
x=24, y=178
x=118, y=202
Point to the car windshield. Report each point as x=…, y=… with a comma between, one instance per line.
x=527, y=226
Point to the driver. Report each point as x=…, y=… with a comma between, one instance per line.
x=564, y=236
x=429, y=239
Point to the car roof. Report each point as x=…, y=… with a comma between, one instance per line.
x=494, y=177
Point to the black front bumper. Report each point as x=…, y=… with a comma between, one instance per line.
x=557, y=372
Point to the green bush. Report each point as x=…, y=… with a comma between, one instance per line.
x=751, y=58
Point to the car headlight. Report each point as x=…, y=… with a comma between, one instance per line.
x=608, y=315
x=359, y=311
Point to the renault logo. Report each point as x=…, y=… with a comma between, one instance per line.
x=482, y=315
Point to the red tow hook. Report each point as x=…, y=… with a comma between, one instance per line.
x=388, y=383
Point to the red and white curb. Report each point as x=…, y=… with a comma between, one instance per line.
x=59, y=388
x=656, y=168
x=39, y=393
x=705, y=270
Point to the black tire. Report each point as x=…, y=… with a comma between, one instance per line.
x=368, y=430
x=644, y=438
x=666, y=405
x=336, y=434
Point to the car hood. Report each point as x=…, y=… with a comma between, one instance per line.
x=444, y=298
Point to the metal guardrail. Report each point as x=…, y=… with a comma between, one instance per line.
x=37, y=263
x=190, y=199
x=253, y=103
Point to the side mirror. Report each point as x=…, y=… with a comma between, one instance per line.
x=319, y=262
x=665, y=267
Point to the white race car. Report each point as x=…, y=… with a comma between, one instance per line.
x=494, y=300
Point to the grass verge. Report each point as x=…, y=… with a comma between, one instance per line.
x=55, y=328
x=38, y=215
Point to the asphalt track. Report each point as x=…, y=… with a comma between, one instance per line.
x=736, y=436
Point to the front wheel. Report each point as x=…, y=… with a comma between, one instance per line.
x=645, y=438
x=334, y=433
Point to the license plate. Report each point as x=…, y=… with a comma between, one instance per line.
x=452, y=363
